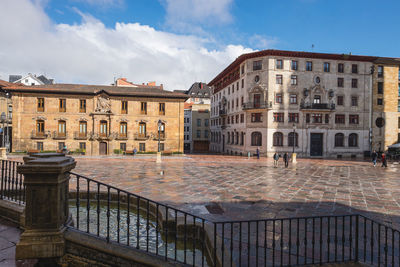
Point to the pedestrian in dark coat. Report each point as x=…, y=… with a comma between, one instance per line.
x=374, y=157
x=286, y=159
x=276, y=158
x=258, y=153
x=384, y=161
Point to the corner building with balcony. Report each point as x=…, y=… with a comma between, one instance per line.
x=315, y=104
x=96, y=119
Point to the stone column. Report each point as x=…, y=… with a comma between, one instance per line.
x=46, y=180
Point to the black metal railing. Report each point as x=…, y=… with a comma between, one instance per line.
x=120, y=216
x=257, y=105
x=12, y=183
x=317, y=106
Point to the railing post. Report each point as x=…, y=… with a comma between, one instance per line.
x=356, y=237
x=46, y=213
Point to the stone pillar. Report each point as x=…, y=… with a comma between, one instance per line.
x=46, y=180
x=3, y=153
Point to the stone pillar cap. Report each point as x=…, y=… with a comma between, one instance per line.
x=46, y=163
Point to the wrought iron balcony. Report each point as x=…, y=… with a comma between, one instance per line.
x=80, y=136
x=222, y=112
x=39, y=135
x=141, y=136
x=163, y=136
x=121, y=136
x=60, y=136
x=101, y=136
x=317, y=106
x=256, y=105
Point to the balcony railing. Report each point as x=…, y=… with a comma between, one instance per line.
x=256, y=105
x=121, y=136
x=319, y=106
x=101, y=136
x=80, y=136
x=163, y=136
x=60, y=136
x=222, y=112
x=141, y=136
x=39, y=135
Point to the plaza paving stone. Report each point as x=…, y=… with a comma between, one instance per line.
x=240, y=189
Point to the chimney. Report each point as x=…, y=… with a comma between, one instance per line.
x=161, y=86
x=152, y=83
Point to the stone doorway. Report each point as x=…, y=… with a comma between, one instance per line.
x=103, y=148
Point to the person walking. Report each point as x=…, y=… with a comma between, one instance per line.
x=276, y=158
x=374, y=157
x=258, y=153
x=384, y=161
x=286, y=159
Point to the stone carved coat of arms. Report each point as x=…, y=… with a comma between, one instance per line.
x=103, y=105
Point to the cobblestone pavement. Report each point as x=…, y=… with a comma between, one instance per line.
x=238, y=188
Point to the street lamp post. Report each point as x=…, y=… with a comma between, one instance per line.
x=7, y=118
x=3, y=118
x=294, y=143
x=159, y=124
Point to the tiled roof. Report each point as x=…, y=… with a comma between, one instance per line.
x=200, y=90
x=83, y=89
x=282, y=53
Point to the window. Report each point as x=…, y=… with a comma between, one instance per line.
x=340, y=100
x=242, y=83
x=380, y=71
x=103, y=128
x=124, y=107
x=229, y=138
x=241, y=138
x=143, y=107
x=256, y=117
x=398, y=106
x=122, y=146
x=294, y=117
x=205, y=133
x=295, y=64
x=279, y=64
x=142, y=129
x=293, y=139
x=339, y=140
x=340, y=82
x=241, y=118
x=161, y=146
x=353, y=140
x=161, y=108
x=293, y=99
x=326, y=118
x=82, y=105
x=379, y=101
x=257, y=65
x=308, y=66
x=278, y=117
x=243, y=69
x=82, y=146
x=354, y=101
x=206, y=122
x=123, y=129
x=293, y=80
x=380, y=87
x=62, y=107
x=317, y=118
x=229, y=90
x=278, y=139
x=237, y=86
x=256, y=139
x=307, y=118
x=39, y=146
x=341, y=67
x=40, y=104
x=61, y=128
x=398, y=123
x=278, y=98
x=237, y=118
x=61, y=145
x=278, y=79
x=339, y=118
x=40, y=127
x=198, y=133
x=353, y=119
x=237, y=102
x=198, y=122
x=354, y=83
x=317, y=99
x=82, y=128
x=142, y=147
x=354, y=68
x=327, y=67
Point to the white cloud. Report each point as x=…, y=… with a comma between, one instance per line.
x=89, y=52
x=261, y=42
x=102, y=3
x=190, y=15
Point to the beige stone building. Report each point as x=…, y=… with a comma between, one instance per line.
x=314, y=104
x=95, y=119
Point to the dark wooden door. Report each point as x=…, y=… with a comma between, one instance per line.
x=316, y=144
x=103, y=148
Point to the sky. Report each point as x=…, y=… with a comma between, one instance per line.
x=179, y=42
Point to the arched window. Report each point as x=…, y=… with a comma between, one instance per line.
x=293, y=139
x=278, y=139
x=123, y=129
x=353, y=140
x=256, y=139
x=339, y=140
x=142, y=129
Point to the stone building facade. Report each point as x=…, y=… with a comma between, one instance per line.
x=283, y=101
x=96, y=119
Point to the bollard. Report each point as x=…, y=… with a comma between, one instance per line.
x=248, y=155
x=46, y=179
